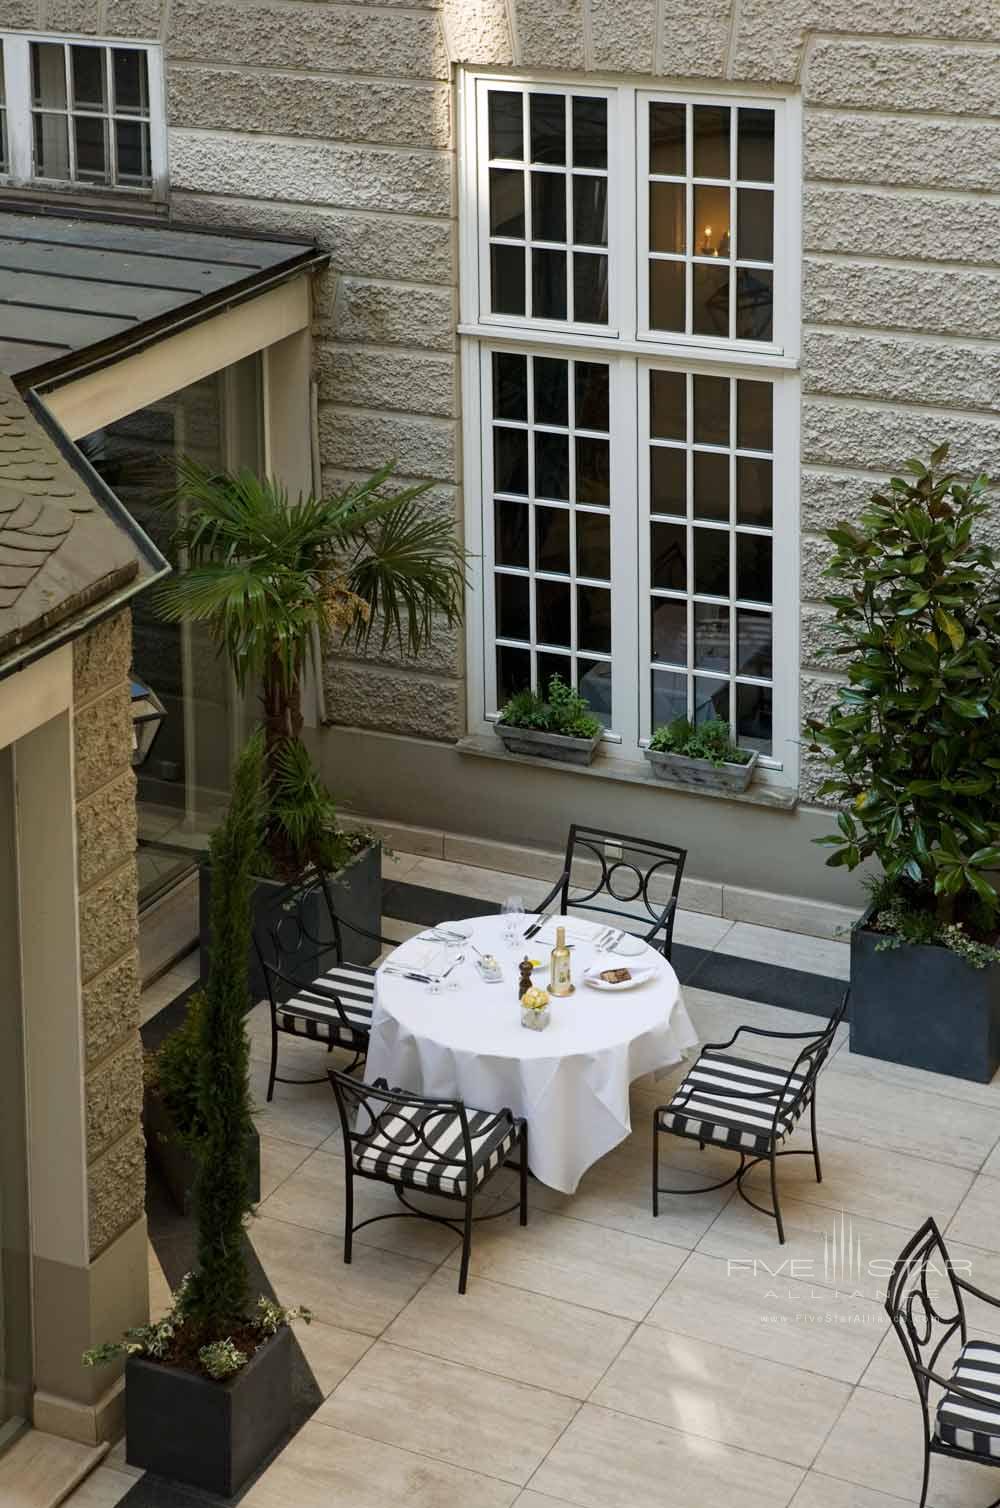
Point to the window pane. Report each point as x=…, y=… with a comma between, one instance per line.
x=711, y=636
x=510, y=460
x=710, y=298
x=548, y=285
x=711, y=562
x=754, y=415
x=755, y=151
x=669, y=696
x=668, y=405
x=667, y=481
x=507, y=279
x=711, y=222
x=550, y=664
x=754, y=653
x=506, y=124
x=590, y=288
x=593, y=680
x=711, y=410
x=711, y=141
x=590, y=132
x=668, y=557
x=667, y=137
x=592, y=392
x=87, y=68
x=711, y=485
x=755, y=219
x=513, y=672
x=90, y=133
x=51, y=147
x=130, y=80
x=593, y=618
x=551, y=465
x=666, y=295
x=511, y=533
x=590, y=211
x=548, y=207
x=552, y=539
x=753, y=718
x=547, y=114
x=754, y=304
x=593, y=545
x=711, y=699
x=593, y=471
x=552, y=606
x=753, y=567
x=510, y=385
x=506, y=202
x=132, y=140
x=667, y=214
x=669, y=630
x=48, y=75
x=513, y=612
x=753, y=491
x=551, y=390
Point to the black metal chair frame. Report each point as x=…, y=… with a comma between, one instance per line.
x=787, y=1104
x=357, y=1098
x=288, y=934
x=914, y=1315
x=662, y=855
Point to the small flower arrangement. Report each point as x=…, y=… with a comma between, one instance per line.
x=535, y=999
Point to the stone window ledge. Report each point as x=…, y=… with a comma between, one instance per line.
x=631, y=771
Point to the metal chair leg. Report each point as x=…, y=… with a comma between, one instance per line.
x=524, y=1175
x=348, y=1212
x=774, y=1197
x=656, y=1168
x=463, y=1276
x=274, y=1061
x=812, y=1122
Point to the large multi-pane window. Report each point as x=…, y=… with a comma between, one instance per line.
x=628, y=302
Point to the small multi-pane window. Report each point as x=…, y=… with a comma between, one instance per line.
x=83, y=113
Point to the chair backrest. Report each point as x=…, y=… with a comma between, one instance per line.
x=924, y=1302
x=815, y=1053
x=296, y=930
x=633, y=879
x=410, y=1125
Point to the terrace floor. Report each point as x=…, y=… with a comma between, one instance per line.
x=604, y=1359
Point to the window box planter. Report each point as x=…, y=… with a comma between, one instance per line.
x=356, y=891
x=923, y=1006
x=680, y=767
x=212, y=1435
x=543, y=745
x=175, y=1164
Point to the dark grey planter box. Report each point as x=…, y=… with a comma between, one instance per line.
x=547, y=745
x=356, y=891
x=687, y=771
x=175, y=1163
x=212, y=1435
x=924, y=1007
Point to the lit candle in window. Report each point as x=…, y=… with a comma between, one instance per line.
x=706, y=249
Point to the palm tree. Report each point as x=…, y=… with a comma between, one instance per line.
x=266, y=573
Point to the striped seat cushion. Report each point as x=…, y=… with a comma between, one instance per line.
x=422, y=1147
x=717, y=1101
x=313, y=1011
x=962, y=1423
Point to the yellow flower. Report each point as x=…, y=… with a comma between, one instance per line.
x=535, y=999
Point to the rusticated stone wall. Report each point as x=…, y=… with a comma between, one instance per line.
x=109, y=966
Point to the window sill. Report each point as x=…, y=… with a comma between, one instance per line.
x=630, y=771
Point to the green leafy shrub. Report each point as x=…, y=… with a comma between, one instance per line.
x=914, y=739
x=172, y=1072
x=563, y=711
x=710, y=740
x=901, y=921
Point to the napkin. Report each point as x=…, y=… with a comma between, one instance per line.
x=421, y=958
x=577, y=931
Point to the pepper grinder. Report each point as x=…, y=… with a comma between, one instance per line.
x=524, y=977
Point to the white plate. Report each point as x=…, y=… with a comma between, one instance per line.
x=596, y=983
x=629, y=946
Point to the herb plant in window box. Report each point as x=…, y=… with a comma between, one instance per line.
x=560, y=726
x=703, y=755
x=914, y=746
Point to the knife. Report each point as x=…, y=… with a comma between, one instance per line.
x=535, y=927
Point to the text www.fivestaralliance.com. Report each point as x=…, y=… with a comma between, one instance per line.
x=822, y=1319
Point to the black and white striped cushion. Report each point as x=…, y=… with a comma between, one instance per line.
x=312, y=1013
x=963, y=1424
x=423, y=1148
x=700, y=1107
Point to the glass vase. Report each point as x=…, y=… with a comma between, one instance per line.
x=535, y=1021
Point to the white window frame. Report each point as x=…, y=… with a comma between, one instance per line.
x=20, y=144
x=630, y=349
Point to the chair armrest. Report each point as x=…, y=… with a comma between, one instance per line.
x=663, y=923
x=977, y=1293
x=391, y=942
x=553, y=893
x=759, y=1031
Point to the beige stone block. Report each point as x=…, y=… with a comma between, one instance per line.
x=383, y=314
x=704, y=896
x=913, y=152
x=909, y=371
x=623, y=35
x=20, y=13
x=109, y=923
x=288, y=104
x=478, y=31
x=116, y=1189
x=106, y=829
x=102, y=738
x=102, y=657
x=388, y=380
x=507, y=858
x=550, y=33
x=442, y=656
x=788, y=912
x=883, y=438
x=395, y=701
x=111, y=1006
x=829, y=496
x=866, y=222
x=925, y=300
x=72, y=15
x=134, y=18
x=114, y=1097
x=693, y=38
x=401, y=838
x=953, y=80
x=815, y=637
x=365, y=441
x=815, y=554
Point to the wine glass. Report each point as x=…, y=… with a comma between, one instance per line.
x=513, y=914
x=455, y=954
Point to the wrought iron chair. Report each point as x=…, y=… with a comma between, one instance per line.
x=925, y=1303
x=625, y=872
x=313, y=991
x=436, y=1146
x=747, y=1105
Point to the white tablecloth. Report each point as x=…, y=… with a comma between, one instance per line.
x=570, y=1081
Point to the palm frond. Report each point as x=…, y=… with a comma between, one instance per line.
x=410, y=569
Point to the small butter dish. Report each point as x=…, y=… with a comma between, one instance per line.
x=489, y=969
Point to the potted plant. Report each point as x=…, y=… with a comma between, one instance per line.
x=914, y=746
x=171, y=1114
x=559, y=726
x=702, y=755
x=271, y=575
x=208, y=1388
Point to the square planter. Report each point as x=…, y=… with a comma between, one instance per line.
x=547, y=745
x=701, y=772
x=356, y=892
x=175, y=1163
x=924, y=1006
x=212, y=1435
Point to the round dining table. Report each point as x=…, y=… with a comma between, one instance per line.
x=571, y=1080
